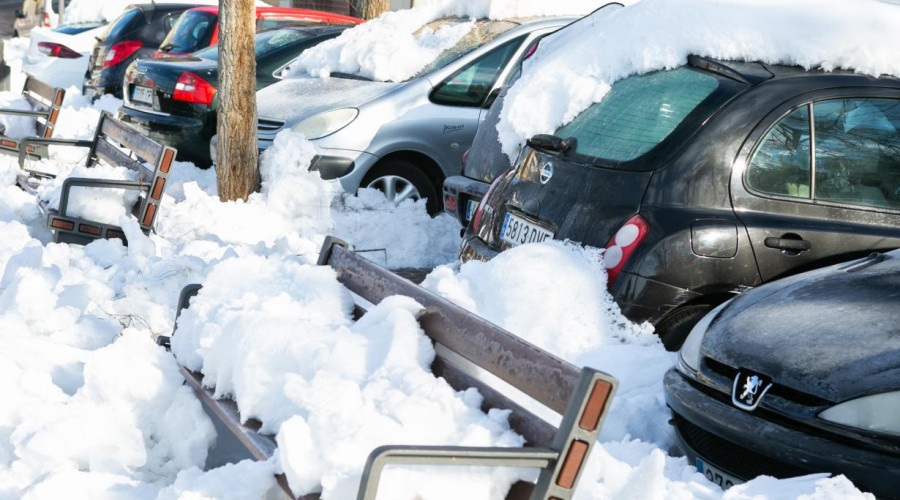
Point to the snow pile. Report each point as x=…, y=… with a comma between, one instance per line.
x=395, y=46
x=87, y=11
x=277, y=335
x=568, y=74
x=16, y=127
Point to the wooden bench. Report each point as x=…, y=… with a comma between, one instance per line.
x=110, y=139
x=463, y=341
x=45, y=104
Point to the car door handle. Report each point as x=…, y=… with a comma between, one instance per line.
x=792, y=244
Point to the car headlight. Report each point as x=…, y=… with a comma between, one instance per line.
x=876, y=413
x=690, y=350
x=327, y=123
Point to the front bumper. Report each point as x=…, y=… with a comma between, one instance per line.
x=189, y=135
x=745, y=445
x=465, y=192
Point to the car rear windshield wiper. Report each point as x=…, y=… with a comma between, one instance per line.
x=167, y=47
x=552, y=143
x=350, y=76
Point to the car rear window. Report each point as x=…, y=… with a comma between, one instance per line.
x=265, y=43
x=638, y=114
x=483, y=32
x=129, y=21
x=192, y=32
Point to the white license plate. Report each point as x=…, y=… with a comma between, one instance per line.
x=721, y=479
x=471, y=207
x=143, y=95
x=518, y=231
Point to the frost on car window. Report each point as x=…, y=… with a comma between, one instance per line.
x=483, y=32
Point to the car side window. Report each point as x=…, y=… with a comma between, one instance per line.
x=471, y=85
x=857, y=151
x=781, y=164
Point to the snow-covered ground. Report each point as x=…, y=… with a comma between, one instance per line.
x=92, y=408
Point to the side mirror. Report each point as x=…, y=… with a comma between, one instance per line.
x=491, y=98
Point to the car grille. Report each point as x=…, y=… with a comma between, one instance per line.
x=731, y=457
x=269, y=126
x=777, y=390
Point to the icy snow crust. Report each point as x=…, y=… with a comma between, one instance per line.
x=92, y=408
x=392, y=47
x=570, y=72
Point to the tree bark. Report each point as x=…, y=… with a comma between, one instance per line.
x=374, y=8
x=237, y=170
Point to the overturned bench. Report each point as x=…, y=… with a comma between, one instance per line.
x=464, y=343
x=115, y=144
x=45, y=102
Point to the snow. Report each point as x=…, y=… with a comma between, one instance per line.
x=86, y=11
x=92, y=408
x=397, y=45
x=567, y=75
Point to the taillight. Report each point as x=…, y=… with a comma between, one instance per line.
x=57, y=50
x=450, y=202
x=476, y=218
x=465, y=157
x=622, y=245
x=46, y=20
x=121, y=51
x=192, y=88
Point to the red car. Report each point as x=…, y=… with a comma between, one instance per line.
x=198, y=28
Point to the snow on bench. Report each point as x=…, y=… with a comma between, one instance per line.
x=463, y=341
x=45, y=102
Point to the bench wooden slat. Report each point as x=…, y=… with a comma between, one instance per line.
x=32, y=84
x=144, y=147
x=546, y=378
x=114, y=156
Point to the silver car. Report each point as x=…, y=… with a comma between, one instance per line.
x=403, y=138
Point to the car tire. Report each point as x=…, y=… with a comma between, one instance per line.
x=674, y=329
x=396, y=176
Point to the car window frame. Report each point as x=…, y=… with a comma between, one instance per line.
x=498, y=78
x=759, y=132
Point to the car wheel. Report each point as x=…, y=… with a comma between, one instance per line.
x=674, y=329
x=401, y=180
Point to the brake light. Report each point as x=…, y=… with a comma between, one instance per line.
x=465, y=157
x=121, y=51
x=47, y=20
x=476, y=218
x=192, y=88
x=622, y=245
x=57, y=50
x=450, y=202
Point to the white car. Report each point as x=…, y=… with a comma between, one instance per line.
x=60, y=56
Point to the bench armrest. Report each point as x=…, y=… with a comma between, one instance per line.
x=29, y=141
x=72, y=182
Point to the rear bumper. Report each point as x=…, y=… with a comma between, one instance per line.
x=463, y=190
x=746, y=445
x=105, y=81
x=189, y=135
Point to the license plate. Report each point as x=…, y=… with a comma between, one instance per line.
x=518, y=231
x=471, y=206
x=143, y=95
x=721, y=479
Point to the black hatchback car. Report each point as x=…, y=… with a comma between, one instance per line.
x=797, y=376
x=173, y=99
x=706, y=180
x=135, y=34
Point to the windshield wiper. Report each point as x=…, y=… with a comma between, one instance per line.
x=350, y=76
x=167, y=47
x=552, y=143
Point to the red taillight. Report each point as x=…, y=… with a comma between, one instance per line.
x=57, y=50
x=46, y=20
x=622, y=245
x=192, y=88
x=449, y=202
x=476, y=218
x=121, y=51
x=465, y=157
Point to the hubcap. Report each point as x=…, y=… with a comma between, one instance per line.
x=395, y=188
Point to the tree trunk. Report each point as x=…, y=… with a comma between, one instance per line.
x=375, y=8
x=236, y=153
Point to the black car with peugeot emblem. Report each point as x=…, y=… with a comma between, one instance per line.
x=707, y=180
x=797, y=376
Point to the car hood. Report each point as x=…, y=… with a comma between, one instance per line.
x=295, y=99
x=831, y=333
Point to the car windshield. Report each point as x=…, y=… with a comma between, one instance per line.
x=125, y=24
x=483, y=32
x=193, y=31
x=637, y=114
x=266, y=43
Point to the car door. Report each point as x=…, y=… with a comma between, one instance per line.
x=818, y=181
x=461, y=96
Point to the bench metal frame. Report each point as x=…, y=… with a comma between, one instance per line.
x=582, y=396
x=46, y=102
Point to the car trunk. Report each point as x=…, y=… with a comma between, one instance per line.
x=586, y=203
x=150, y=84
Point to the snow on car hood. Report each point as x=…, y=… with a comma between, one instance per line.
x=294, y=99
x=831, y=333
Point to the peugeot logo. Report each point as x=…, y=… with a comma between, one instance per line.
x=546, y=173
x=748, y=389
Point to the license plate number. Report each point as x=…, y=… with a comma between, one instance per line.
x=714, y=475
x=471, y=206
x=143, y=95
x=518, y=231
